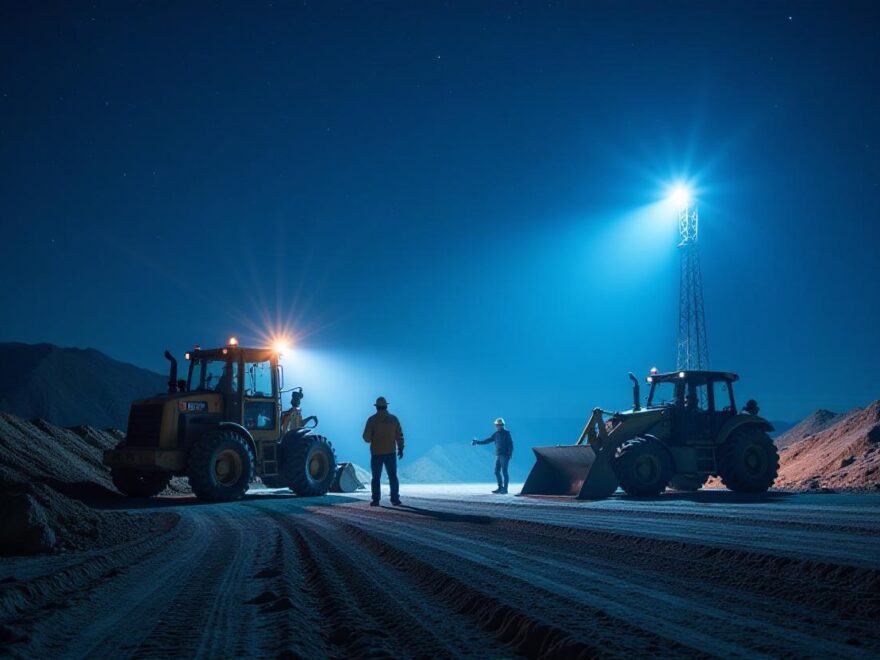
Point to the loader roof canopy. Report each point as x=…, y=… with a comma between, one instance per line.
x=248, y=354
x=695, y=376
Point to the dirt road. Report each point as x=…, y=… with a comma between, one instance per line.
x=459, y=573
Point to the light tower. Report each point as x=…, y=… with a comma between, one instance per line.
x=692, y=347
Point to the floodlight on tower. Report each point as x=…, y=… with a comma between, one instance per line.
x=692, y=350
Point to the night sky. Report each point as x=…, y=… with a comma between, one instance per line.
x=456, y=205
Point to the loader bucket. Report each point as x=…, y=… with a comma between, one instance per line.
x=346, y=480
x=574, y=470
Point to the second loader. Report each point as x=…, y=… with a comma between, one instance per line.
x=688, y=431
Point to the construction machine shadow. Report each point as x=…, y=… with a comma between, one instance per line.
x=221, y=427
x=688, y=431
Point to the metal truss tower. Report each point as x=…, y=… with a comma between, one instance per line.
x=692, y=345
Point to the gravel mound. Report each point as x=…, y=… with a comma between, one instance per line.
x=67, y=459
x=35, y=518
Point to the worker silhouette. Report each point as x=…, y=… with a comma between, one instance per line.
x=503, y=452
x=383, y=433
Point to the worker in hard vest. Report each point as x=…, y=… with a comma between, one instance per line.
x=503, y=451
x=384, y=435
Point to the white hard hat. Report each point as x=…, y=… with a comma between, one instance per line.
x=500, y=420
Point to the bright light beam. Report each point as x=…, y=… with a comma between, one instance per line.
x=680, y=195
x=281, y=345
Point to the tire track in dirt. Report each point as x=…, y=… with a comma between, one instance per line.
x=506, y=605
x=203, y=616
x=287, y=577
x=668, y=611
x=835, y=546
x=72, y=574
x=370, y=607
x=164, y=602
x=286, y=612
x=843, y=589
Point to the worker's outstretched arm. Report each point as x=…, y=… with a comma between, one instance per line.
x=487, y=441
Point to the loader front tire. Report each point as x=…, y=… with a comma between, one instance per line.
x=220, y=466
x=308, y=464
x=748, y=462
x=139, y=483
x=643, y=466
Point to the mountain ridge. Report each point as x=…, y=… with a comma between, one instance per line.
x=71, y=386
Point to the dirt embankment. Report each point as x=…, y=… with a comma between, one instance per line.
x=832, y=451
x=44, y=471
x=814, y=423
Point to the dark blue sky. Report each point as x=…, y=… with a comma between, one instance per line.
x=451, y=204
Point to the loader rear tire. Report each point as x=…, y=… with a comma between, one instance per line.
x=643, y=466
x=139, y=483
x=748, y=462
x=220, y=466
x=308, y=464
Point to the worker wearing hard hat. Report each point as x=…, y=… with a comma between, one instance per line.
x=503, y=452
x=384, y=433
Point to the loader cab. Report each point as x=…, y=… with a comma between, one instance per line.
x=249, y=379
x=701, y=402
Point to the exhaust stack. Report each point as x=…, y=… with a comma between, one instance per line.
x=172, y=375
x=636, y=405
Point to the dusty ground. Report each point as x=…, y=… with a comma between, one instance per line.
x=458, y=572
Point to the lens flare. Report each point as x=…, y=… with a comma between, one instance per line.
x=281, y=345
x=680, y=195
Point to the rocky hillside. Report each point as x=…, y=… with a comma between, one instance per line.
x=68, y=386
x=818, y=421
x=67, y=459
x=44, y=472
x=832, y=451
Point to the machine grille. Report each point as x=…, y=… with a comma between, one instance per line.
x=144, y=425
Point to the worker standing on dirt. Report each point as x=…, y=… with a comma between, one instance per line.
x=384, y=433
x=503, y=451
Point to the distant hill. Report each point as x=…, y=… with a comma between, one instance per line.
x=817, y=421
x=463, y=463
x=833, y=451
x=70, y=386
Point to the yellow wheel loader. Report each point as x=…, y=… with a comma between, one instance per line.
x=220, y=427
x=688, y=431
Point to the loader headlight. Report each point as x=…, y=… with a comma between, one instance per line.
x=650, y=379
x=681, y=374
x=281, y=345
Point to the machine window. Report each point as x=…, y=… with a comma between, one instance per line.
x=697, y=398
x=663, y=393
x=259, y=415
x=258, y=379
x=724, y=396
x=214, y=376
